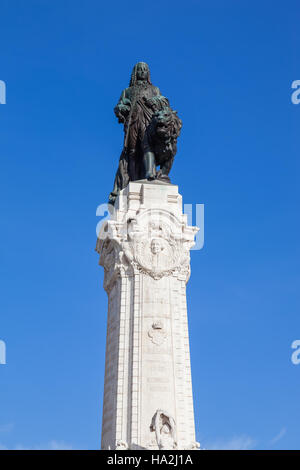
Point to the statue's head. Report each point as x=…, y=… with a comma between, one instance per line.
x=140, y=72
x=156, y=246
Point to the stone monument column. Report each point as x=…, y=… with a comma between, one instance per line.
x=145, y=251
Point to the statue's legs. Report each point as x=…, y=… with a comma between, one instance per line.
x=141, y=159
x=148, y=158
x=149, y=165
x=132, y=165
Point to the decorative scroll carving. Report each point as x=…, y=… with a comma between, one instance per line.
x=111, y=260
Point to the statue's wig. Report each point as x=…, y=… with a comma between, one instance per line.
x=133, y=74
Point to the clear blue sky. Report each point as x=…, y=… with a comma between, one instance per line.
x=227, y=67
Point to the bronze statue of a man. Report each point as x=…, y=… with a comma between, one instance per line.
x=151, y=129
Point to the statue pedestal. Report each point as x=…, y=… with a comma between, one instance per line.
x=144, y=249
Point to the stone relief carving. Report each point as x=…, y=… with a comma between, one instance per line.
x=156, y=251
x=111, y=260
x=157, y=333
x=121, y=445
x=192, y=446
x=165, y=430
x=152, y=444
x=152, y=243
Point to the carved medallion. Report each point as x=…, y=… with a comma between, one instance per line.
x=154, y=250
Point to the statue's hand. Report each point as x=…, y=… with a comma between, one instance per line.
x=125, y=106
x=122, y=111
x=126, y=102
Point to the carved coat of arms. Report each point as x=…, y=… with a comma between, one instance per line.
x=157, y=333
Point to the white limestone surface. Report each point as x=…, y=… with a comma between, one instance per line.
x=145, y=251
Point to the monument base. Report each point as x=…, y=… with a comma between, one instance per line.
x=145, y=251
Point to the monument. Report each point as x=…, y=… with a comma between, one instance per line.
x=145, y=250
